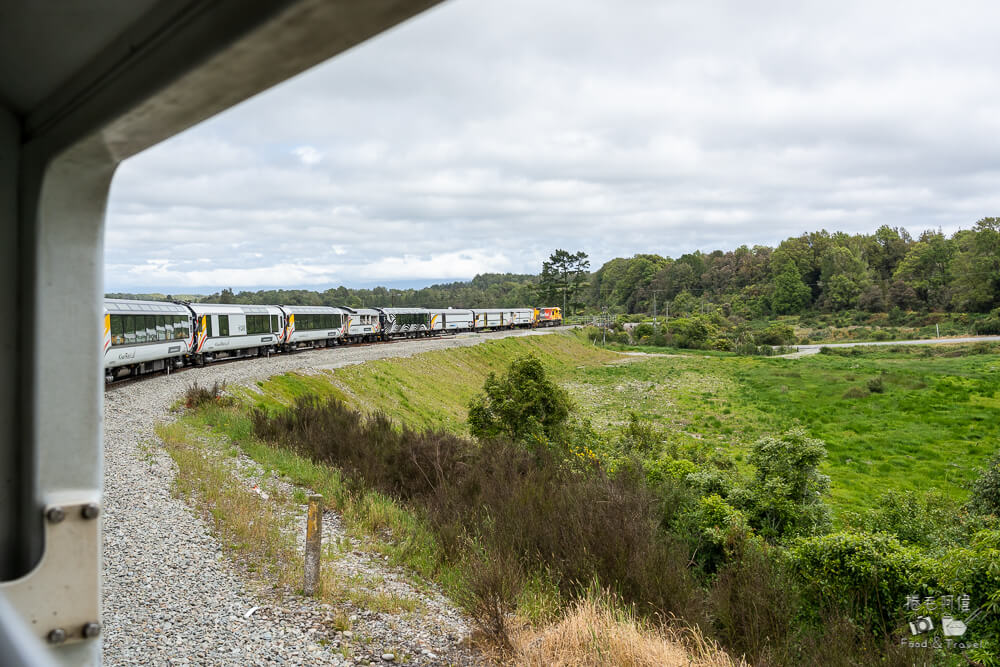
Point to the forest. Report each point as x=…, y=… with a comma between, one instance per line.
x=816, y=272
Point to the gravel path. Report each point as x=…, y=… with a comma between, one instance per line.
x=808, y=350
x=170, y=597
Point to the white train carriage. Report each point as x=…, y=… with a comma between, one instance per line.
x=451, y=320
x=363, y=324
x=405, y=322
x=144, y=337
x=524, y=317
x=314, y=326
x=494, y=318
x=225, y=331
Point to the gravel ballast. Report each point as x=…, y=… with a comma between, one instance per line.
x=170, y=597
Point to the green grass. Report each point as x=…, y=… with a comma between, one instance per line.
x=933, y=424
x=430, y=389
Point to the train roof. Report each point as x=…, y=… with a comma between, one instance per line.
x=404, y=310
x=314, y=310
x=130, y=306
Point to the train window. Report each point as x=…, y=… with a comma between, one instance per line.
x=257, y=324
x=117, y=330
x=223, y=325
x=208, y=326
x=128, y=330
x=161, y=327
x=274, y=322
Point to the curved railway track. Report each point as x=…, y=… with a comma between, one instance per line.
x=117, y=384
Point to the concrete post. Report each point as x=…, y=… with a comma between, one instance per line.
x=314, y=540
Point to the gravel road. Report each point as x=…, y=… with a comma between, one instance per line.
x=806, y=350
x=170, y=597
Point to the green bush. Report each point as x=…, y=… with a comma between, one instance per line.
x=693, y=332
x=985, y=496
x=785, y=497
x=644, y=330
x=867, y=575
x=523, y=404
x=924, y=519
x=776, y=334
x=989, y=326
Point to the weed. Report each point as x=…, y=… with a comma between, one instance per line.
x=196, y=396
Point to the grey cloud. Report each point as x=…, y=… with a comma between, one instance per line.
x=498, y=131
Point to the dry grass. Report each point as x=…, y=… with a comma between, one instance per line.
x=594, y=631
x=254, y=531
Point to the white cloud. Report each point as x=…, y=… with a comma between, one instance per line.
x=308, y=155
x=486, y=133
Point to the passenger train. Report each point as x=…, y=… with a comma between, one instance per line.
x=148, y=336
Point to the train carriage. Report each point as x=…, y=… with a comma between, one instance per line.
x=363, y=324
x=231, y=330
x=451, y=320
x=314, y=326
x=523, y=317
x=144, y=337
x=495, y=318
x=405, y=322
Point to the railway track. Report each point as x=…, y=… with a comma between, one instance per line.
x=117, y=384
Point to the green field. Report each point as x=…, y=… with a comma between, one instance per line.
x=933, y=423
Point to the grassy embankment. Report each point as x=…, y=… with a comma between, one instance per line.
x=929, y=423
x=924, y=423
x=203, y=439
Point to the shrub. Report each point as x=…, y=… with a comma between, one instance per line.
x=776, y=334
x=535, y=507
x=924, y=519
x=196, y=396
x=639, y=436
x=985, y=496
x=754, y=602
x=644, y=330
x=868, y=575
x=876, y=386
x=523, y=404
x=785, y=497
x=490, y=587
x=989, y=326
x=693, y=332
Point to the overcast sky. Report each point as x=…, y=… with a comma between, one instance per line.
x=484, y=134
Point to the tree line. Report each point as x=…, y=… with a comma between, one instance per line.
x=817, y=271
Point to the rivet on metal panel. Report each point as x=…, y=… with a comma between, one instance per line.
x=56, y=514
x=57, y=636
x=90, y=511
x=91, y=630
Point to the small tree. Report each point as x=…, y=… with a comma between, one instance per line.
x=522, y=404
x=786, y=496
